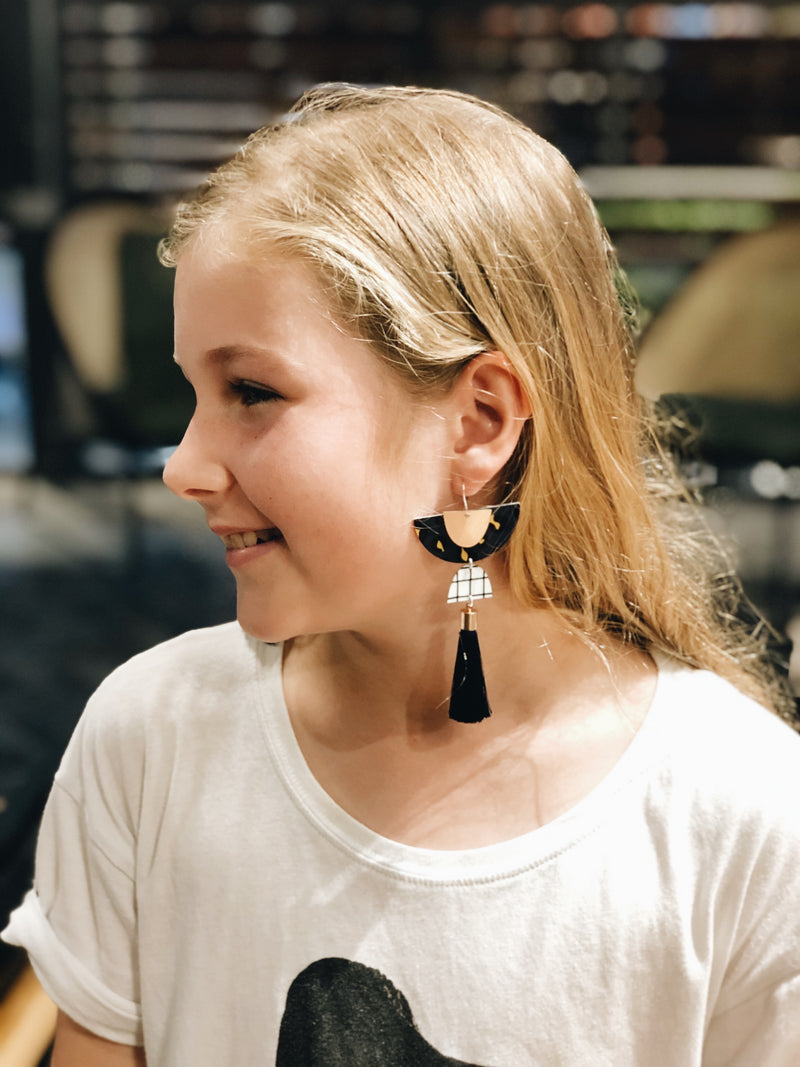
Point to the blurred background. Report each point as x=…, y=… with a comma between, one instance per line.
x=682, y=118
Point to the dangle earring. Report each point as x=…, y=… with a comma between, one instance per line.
x=466, y=537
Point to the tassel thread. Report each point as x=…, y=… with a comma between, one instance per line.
x=468, y=700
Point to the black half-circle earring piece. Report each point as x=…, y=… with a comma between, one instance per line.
x=466, y=537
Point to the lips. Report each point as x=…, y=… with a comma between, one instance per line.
x=250, y=538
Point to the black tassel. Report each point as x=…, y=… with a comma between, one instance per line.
x=468, y=701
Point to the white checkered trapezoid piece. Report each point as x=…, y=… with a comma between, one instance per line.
x=464, y=589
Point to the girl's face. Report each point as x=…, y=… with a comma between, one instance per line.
x=308, y=455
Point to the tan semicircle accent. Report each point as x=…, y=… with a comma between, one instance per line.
x=466, y=528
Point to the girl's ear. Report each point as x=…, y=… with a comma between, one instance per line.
x=490, y=408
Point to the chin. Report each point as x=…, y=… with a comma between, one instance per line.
x=264, y=628
x=274, y=628
x=269, y=635
x=266, y=619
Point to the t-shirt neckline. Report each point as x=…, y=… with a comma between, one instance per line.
x=463, y=866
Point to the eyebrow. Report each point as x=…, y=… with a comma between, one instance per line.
x=225, y=353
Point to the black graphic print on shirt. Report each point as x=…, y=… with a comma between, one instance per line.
x=342, y=1014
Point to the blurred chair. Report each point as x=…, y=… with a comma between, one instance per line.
x=733, y=330
x=27, y=1022
x=112, y=304
x=722, y=360
x=727, y=350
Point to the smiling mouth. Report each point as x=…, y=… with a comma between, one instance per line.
x=250, y=538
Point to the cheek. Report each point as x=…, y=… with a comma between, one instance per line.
x=311, y=484
x=347, y=471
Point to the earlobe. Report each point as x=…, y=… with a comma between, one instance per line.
x=492, y=408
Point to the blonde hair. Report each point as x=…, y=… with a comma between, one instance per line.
x=443, y=228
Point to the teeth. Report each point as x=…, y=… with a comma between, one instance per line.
x=248, y=539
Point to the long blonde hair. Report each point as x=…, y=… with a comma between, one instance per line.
x=441, y=227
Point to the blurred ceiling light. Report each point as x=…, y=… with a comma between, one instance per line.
x=697, y=21
x=740, y=20
x=126, y=18
x=691, y=21
x=499, y=20
x=645, y=54
x=273, y=20
x=135, y=177
x=649, y=20
x=768, y=480
x=777, y=151
x=126, y=51
x=793, y=488
x=595, y=87
x=565, y=87
x=590, y=21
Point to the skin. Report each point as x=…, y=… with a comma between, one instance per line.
x=341, y=460
x=76, y=1047
x=300, y=427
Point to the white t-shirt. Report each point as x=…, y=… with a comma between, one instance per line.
x=198, y=892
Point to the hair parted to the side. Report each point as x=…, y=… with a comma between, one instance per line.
x=441, y=228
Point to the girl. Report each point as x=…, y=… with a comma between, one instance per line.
x=269, y=842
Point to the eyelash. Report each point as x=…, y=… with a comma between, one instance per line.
x=250, y=394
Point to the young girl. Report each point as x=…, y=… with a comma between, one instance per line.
x=269, y=842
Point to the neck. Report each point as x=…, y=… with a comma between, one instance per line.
x=370, y=713
x=396, y=680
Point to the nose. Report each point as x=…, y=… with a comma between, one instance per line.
x=196, y=469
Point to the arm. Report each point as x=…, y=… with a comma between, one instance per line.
x=76, y=1047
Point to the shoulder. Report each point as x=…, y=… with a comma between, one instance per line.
x=195, y=666
x=730, y=731
x=730, y=818
x=730, y=766
x=213, y=651
x=153, y=706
